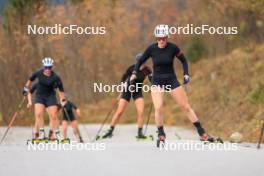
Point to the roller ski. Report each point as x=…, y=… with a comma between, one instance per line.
x=108, y=134
x=37, y=141
x=55, y=137
x=65, y=141
x=38, y=137
x=141, y=136
x=206, y=139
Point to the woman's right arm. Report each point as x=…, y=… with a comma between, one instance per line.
x=26, y=88
x=29, y=98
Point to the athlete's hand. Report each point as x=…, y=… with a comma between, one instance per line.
x=133, y=77
x=29, y=104
x=186, y=79
x=25, y=91
x=63, y=102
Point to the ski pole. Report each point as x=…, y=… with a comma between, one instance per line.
x=261, y=135
x=149, y=113
x=68, y=118
x=13, y=119
x=86, y=131
x=106, y=118
x=185, y=88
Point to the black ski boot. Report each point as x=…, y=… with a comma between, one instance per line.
x=35, y=135
x=108, y=134
x=140, y=134
x=161, y=136
x=81, y=139
x=161, y=139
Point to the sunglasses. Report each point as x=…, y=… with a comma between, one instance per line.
x=161, y=38
x=48, y=68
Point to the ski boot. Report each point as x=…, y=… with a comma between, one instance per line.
x=161, y=139
x=54, y=137
x=58, y=136
x=35, y=135
x=41, y=137
x=108, y=134
x=141, y=135
x=81, y=140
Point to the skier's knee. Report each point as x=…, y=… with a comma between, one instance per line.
x=53, y=117
x=186, y=107
x=158, y=110
x=38, y=115
x=140, y=113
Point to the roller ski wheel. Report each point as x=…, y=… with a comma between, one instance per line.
x=54, y=141
x=37, y=141
x=143, y=137
x=206, y=139
x=161, y=140
x=219, y=140
x=65, y=141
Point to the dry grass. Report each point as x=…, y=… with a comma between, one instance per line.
x=226, y=93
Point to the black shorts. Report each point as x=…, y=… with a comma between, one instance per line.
x=166, y=83
x=69, y=118
x=127, y=95
x=46, y=100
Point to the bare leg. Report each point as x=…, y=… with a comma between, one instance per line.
x=179, y=95
x=53, y=115
x=64, y=128
x=139, y=102
x=76, y=128
x=120, y=110
x=39, y=115
x=157, y=98
x=54, y=121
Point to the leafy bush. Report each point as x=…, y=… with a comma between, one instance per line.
x=196, y=49
x=256, y=96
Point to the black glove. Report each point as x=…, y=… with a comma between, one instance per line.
x=63, y=102
x=186, y=79
x=25, y=91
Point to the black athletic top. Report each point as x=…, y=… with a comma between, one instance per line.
x=141, y=74
x=33, y=88
x=46, y=84
x=68, y=107
x=162, y=59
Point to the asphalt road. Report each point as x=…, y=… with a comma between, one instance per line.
x=124, y=155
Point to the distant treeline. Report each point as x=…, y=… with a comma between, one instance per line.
x=82, y=60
